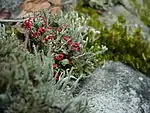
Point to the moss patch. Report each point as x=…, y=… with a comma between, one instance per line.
x=129, y=49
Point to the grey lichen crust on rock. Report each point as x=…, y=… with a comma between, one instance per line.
x=12, y=5
x=116, y=88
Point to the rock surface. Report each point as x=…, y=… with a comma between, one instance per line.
x=116, y=88
x=12, y=5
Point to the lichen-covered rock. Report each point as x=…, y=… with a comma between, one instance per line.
x=103, y=3
x=12, y=5
x=116, y=88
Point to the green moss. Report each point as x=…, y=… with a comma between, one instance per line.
x=84, y=9
x=131, y=50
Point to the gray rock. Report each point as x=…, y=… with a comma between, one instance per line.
x=127, y=3
x=116, y=88
x=130, y=6
x=13, y=5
